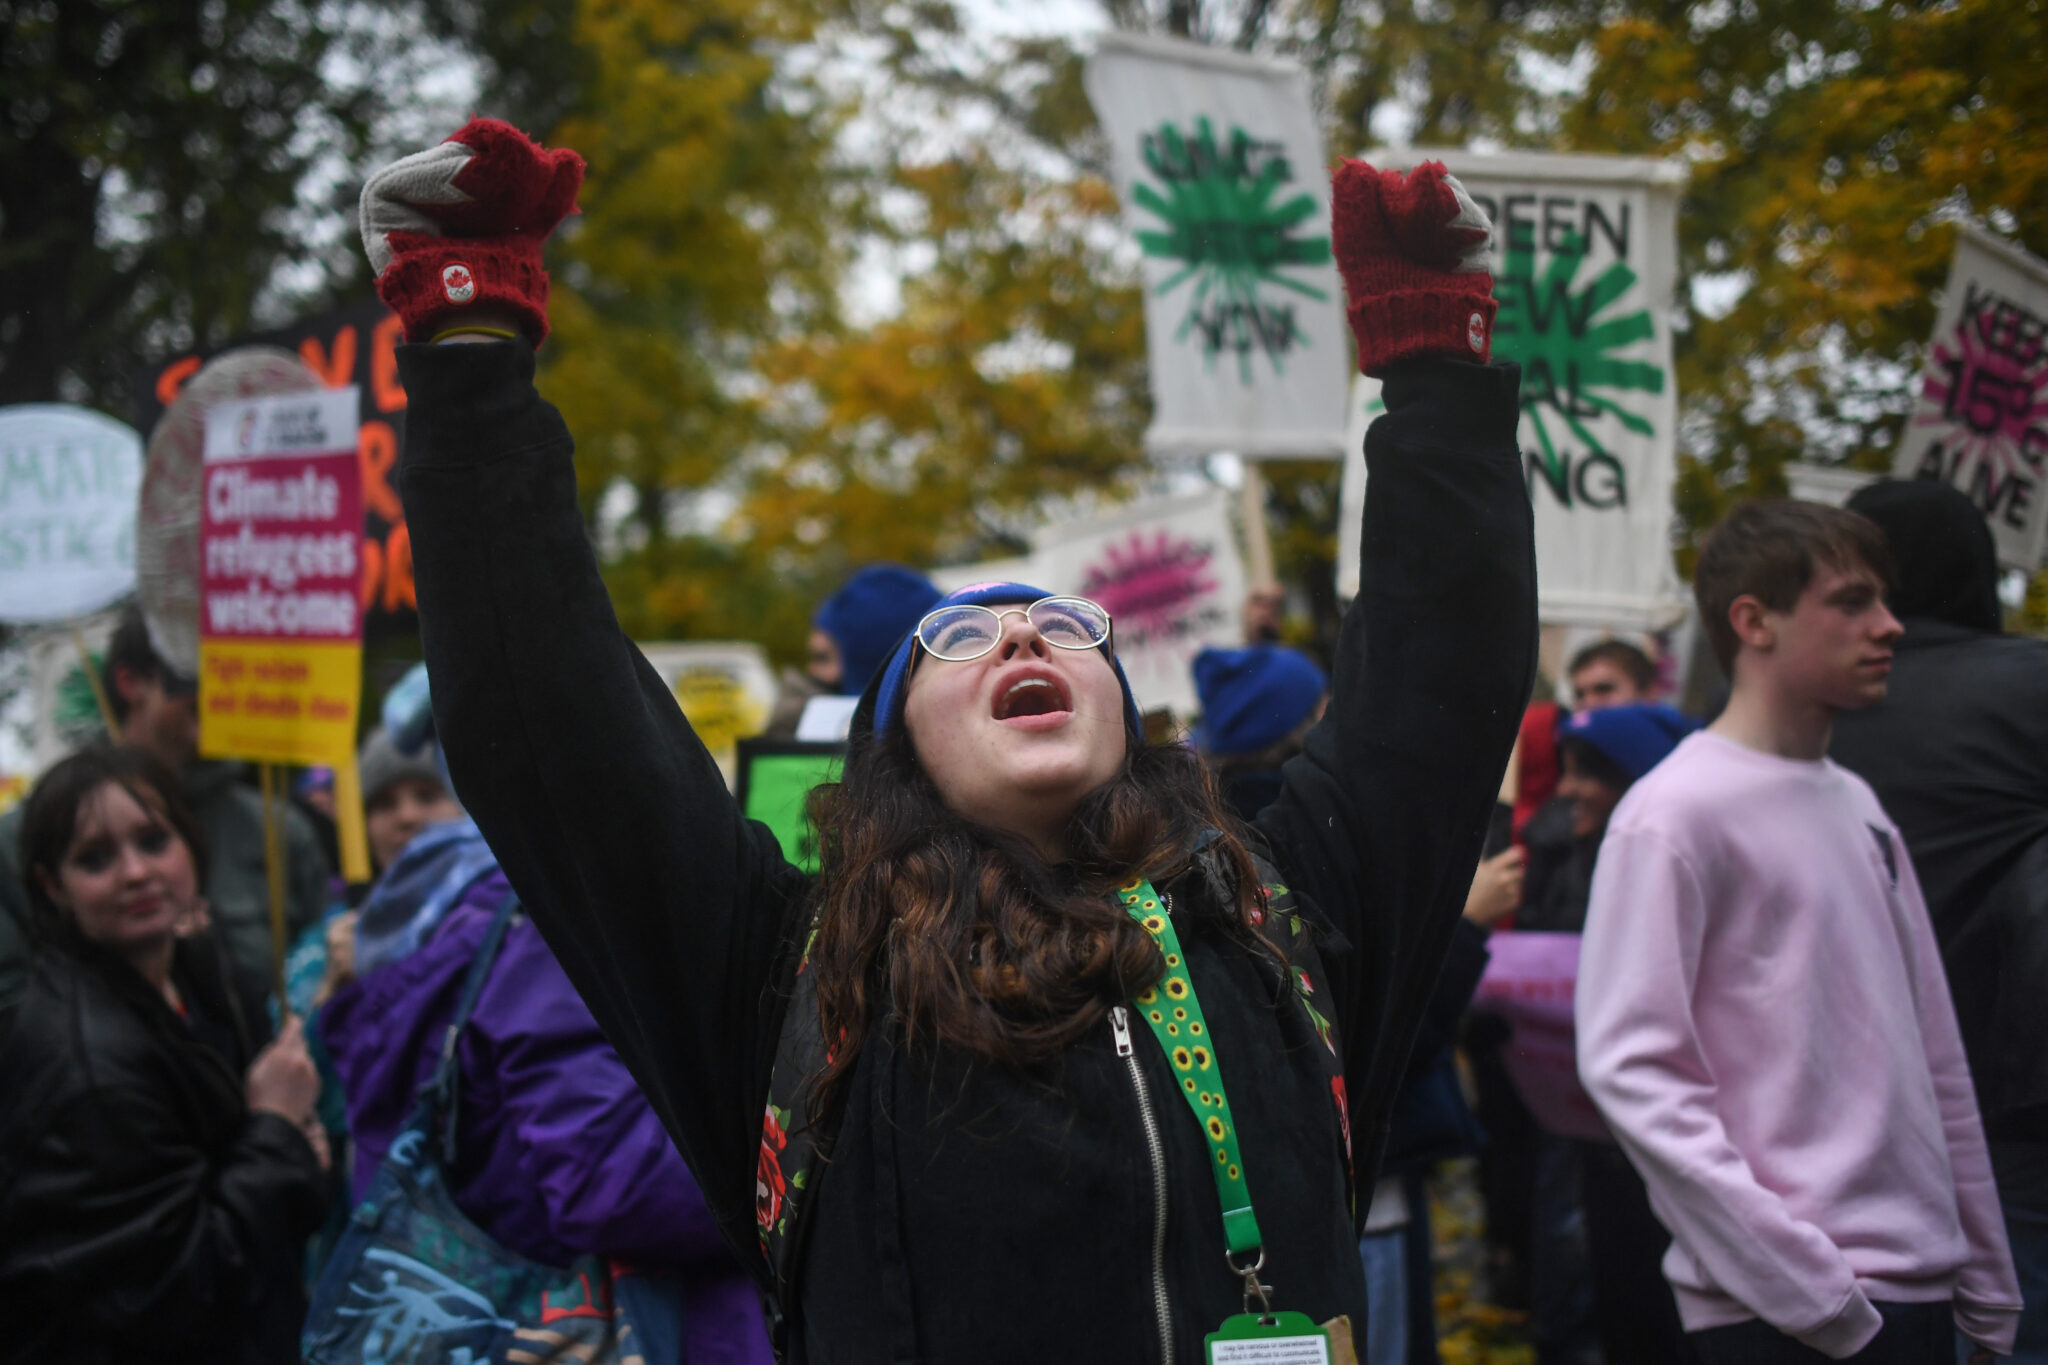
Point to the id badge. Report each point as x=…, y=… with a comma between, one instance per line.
x=1274, y=1339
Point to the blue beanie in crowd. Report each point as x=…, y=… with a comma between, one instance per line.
x=1255, y=696
x=1635, y=738
x=893, y=684
x=877, y=607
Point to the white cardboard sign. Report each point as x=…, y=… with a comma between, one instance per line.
x=1584, y=258
x=1220, y=167
x=68, y=479
x=1981, y=420
x=1169, y=573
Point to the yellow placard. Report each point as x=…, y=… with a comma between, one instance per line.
x=350, y=831
x=720, y=707
x=279, y=701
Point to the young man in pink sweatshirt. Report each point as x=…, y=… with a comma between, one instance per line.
x=1762, y=1013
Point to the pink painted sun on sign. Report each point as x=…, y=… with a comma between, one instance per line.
x=1993, y=393
x=1157, y=588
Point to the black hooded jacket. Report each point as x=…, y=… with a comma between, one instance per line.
x=145, y=1213
x=1958, y=755
x=967, y=1213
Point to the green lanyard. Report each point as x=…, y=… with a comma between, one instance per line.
x=1175, y=1015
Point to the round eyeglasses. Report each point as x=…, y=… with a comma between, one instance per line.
x=959, y=633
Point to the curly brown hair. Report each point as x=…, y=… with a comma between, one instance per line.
x=970, y=938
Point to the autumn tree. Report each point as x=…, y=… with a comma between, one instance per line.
x=177, y=174
x=715, y=218
x=1012, y=376
x=749, y=442
x=1829, y=143
x=1830, y=146
x=1016, y=369
x=152, y=150
x=743, y=444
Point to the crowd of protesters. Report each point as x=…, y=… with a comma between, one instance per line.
x=590, y=1070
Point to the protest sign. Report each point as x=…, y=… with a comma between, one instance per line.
x=1170, y=575
x=68, y=477
x=727, y=690
x=355, y=345
x=64, y=707
x=1584, y=258
x=280, y=530
x=775, y=778
x=1981, y=420
x=1221, y=171
x=1529, y=981
x=168, y=510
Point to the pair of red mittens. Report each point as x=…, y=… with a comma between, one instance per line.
x=461, y=226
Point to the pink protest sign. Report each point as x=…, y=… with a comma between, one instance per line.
x=280, y=536
x=1529, y=982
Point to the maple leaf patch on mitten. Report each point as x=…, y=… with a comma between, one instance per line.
x=461, y=226
x=1412, y=251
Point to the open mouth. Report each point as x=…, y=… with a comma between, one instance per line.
x=1032, y=696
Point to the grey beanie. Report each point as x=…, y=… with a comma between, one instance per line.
x=381, y=763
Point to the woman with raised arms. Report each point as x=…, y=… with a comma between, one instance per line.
x=1054, y=1059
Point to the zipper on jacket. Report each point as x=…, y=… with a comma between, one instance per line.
x=1120, y=1029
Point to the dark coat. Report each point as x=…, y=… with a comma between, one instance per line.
x=145, y=1213
x=1558, y=883
x=970, y=1213
x=1958, y=756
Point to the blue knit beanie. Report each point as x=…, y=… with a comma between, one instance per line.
x=1635, y=738
x=1255, y=696
x=878, y=606
x=888, y=690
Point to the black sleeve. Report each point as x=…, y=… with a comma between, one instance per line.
x=1463, y=966
x=1381, y=817
x=131, y=1218
x=665, y=907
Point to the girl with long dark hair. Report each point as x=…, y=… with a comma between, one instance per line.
x=160, y=1160
x=1055, y=1059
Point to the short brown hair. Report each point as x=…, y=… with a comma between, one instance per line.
x=1623, y=656
x=1768, y=550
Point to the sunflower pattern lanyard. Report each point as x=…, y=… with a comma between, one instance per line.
x=1174, y=1014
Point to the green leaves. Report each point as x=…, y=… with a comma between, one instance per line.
x=1829, y=143
x=153, y=155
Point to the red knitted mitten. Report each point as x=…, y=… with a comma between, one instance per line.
x=462, y=225
x=1412, y=250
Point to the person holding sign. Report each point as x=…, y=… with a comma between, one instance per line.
x=160, y=1159
x=1087, y=1053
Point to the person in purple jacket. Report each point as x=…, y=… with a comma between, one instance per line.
x=560, y=1154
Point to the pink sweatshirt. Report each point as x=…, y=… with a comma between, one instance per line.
x=1764, y=1021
